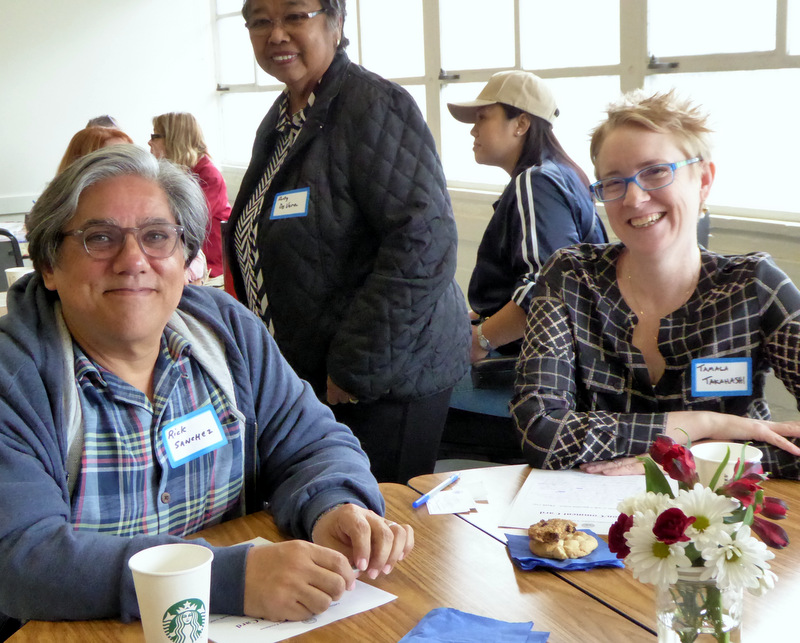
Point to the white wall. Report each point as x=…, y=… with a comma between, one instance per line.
x=65, y=61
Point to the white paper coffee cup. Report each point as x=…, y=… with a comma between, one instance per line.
x=173, y=584
x=12, y=274
x=709, y=455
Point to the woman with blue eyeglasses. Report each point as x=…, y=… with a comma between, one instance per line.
x=655, y=334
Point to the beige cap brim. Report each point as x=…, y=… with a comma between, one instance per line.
x=467, y=112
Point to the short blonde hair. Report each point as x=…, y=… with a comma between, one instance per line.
x=183, y=139
x=666, y=113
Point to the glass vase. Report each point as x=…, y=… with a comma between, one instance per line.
x=698, y=611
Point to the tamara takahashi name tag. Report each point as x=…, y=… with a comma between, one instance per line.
x=723, y=376
x=293, y=203
x=192, y=435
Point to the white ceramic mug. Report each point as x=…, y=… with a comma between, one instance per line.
x=709, y=455
x=12, y=274
x=173, y=584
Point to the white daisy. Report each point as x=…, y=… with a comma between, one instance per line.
x=650, y=560
x=738, y=561
x=655, y=502
x=766, y=582
x=709, y=511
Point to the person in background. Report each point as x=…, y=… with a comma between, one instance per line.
x=343, y=240
x=177, y=137
x=102, y=353
x=546, y=206
x=621, y=337
x=103, y=121
x=94, y=138
x=90, y=139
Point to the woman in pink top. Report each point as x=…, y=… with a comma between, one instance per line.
x=178, y=138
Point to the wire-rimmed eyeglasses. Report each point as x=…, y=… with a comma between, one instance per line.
x=105, y=241
x=290, y=22
x=653, y=177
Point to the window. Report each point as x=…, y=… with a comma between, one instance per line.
x=738, y=58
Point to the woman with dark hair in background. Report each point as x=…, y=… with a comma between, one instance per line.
x=343, y=240
x=546, y=206
x=177, y=137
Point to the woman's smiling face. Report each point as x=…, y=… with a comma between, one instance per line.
x=297, y=55
x=652, y=221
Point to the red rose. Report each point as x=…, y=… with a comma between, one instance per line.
x=671, y=525
x=616, y=536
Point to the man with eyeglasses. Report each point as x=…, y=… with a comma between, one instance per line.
x=102, y=354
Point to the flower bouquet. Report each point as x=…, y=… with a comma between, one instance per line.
x=697, y=547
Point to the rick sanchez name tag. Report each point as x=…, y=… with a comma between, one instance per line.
x=721, y=377
x=293, y=203
x=192, y=435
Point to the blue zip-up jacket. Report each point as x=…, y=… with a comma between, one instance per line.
x=297, y=458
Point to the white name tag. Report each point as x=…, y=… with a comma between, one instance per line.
x=723, y=376
x=192, y=435
x=293, y=203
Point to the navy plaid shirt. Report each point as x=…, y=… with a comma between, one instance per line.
x=127, y=485
x=583, y=390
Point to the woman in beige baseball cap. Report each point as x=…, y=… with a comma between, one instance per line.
x=546, y=206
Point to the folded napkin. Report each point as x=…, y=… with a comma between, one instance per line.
x=447, y=625
x=527, y=560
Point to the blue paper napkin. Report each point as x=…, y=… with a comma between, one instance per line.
x=527, y=560
x=447, y=625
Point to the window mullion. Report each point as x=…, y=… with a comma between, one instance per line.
x=633, y=53
x=433, y=64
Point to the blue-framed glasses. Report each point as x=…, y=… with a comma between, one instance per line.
x=290, y=22
x=650, y=178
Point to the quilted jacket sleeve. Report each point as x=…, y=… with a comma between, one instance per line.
x=407, y=318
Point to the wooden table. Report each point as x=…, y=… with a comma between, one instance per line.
x=766, y=618
x=452, y=565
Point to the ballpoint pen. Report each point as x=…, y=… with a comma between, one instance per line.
x=424, y=498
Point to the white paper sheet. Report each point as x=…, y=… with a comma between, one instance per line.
x=454, y=501
x=589, y=500
x=224, y=628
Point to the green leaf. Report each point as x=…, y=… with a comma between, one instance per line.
x=720, y=469
x=655, y=478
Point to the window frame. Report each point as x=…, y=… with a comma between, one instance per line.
x=632, y=70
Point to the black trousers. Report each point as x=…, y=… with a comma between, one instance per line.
x=400, y=438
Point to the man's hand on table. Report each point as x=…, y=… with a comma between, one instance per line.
x=372, y=543
x=294, y=580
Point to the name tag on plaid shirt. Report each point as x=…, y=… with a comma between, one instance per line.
x=193, y=435
x=722, y=376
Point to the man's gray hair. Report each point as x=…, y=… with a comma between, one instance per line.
x=57, y=205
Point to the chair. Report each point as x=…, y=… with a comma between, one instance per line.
x=10, y=256
x=479, y=424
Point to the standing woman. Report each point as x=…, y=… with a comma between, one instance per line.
x=343, y=239
x=546, y=206
x=177, y=137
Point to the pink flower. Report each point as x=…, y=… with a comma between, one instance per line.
x=772, y=534
x=773, y=508
x=670, y=526
x=675, y=459
x=744, y=490
x=616, y=536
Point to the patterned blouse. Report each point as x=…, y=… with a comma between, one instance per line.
x=583, y=390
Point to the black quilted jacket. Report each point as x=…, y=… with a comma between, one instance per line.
x=362, y=288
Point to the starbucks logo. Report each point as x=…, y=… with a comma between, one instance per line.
x=184, y=622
